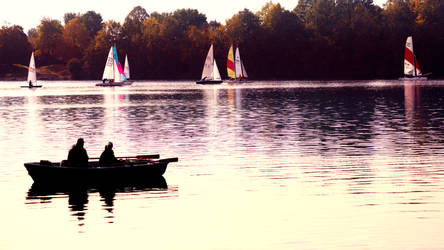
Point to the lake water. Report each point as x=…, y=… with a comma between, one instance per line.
x=262, y=165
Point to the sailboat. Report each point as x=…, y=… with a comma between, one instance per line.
x=32, y=74
x=411, y=66
x=126, y=69
x=210, y=72
x=113, y=74
x=235, y=68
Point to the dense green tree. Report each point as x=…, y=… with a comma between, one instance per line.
x=133, y=24
x=97, y=52
x=132, y=42
x=190, y=17
x=92, y=21
x=14, y=45
x=76, y=38
x=48, y=41
x=70, y=15
x=242, y=27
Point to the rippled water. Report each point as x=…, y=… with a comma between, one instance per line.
x=262, y=165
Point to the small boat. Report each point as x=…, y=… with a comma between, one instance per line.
x=411, y=66
x=32, y=75
x=235, y=68
x=210, y=72
x=135, y=169
x=113, y=74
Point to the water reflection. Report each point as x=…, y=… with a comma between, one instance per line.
x=78, y=195
x=373, y=149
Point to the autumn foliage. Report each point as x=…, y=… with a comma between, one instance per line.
x=318, y=39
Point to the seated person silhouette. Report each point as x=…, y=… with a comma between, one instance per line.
x=77, y=156
x=107, y=157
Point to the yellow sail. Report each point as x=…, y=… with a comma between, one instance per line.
x=230, y=64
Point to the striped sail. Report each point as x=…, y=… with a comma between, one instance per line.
x=230, y=64
x=32, y=73
x=411, y=66
x=119, y=73
x=113, y=70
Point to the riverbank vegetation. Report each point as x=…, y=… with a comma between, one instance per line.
x=318, y=39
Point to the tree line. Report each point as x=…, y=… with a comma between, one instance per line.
x=318, y=39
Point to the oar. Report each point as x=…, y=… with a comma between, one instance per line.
x=167, y=160
x=156, y=156
x=175, y=159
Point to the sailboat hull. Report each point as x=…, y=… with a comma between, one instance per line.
x=209, y=82
x=114, y=84
x=238, y=81
x=416, y=78
x=31, y=87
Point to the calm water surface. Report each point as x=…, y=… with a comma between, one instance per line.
x=262, y=165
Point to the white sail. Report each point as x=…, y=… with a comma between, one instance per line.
x=237, y=64
x=244, y=72
x=216, y=73
x=108, y=72
x=411, y=66
x=207, y=72
x=127, y=68
x=32, y=72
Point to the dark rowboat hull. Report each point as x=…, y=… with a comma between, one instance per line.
x=53, y=173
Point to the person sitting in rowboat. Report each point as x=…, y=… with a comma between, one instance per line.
x=107, y=157
x=77, y=156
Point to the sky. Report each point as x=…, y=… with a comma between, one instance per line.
x=29, y=13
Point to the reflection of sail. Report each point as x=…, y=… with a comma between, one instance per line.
x=33, y=125
x=114, y=124
x=411, y=100
x=211, y=96
x=413, y=116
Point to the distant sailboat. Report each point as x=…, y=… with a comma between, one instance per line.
x=113, y=74
x=230, y=64
x=126, y=70
x=210, y=72
x=235, y=68
x=412, y=70
x=32, y=74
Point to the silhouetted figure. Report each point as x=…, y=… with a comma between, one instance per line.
x=107, y=157
x=30, y=84
x=77, y=155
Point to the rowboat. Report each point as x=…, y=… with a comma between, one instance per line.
x=129, y=170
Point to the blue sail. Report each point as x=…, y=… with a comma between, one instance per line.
x=119, y=67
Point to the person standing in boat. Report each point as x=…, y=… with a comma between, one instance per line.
x=107, y=157
x=77, y=155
